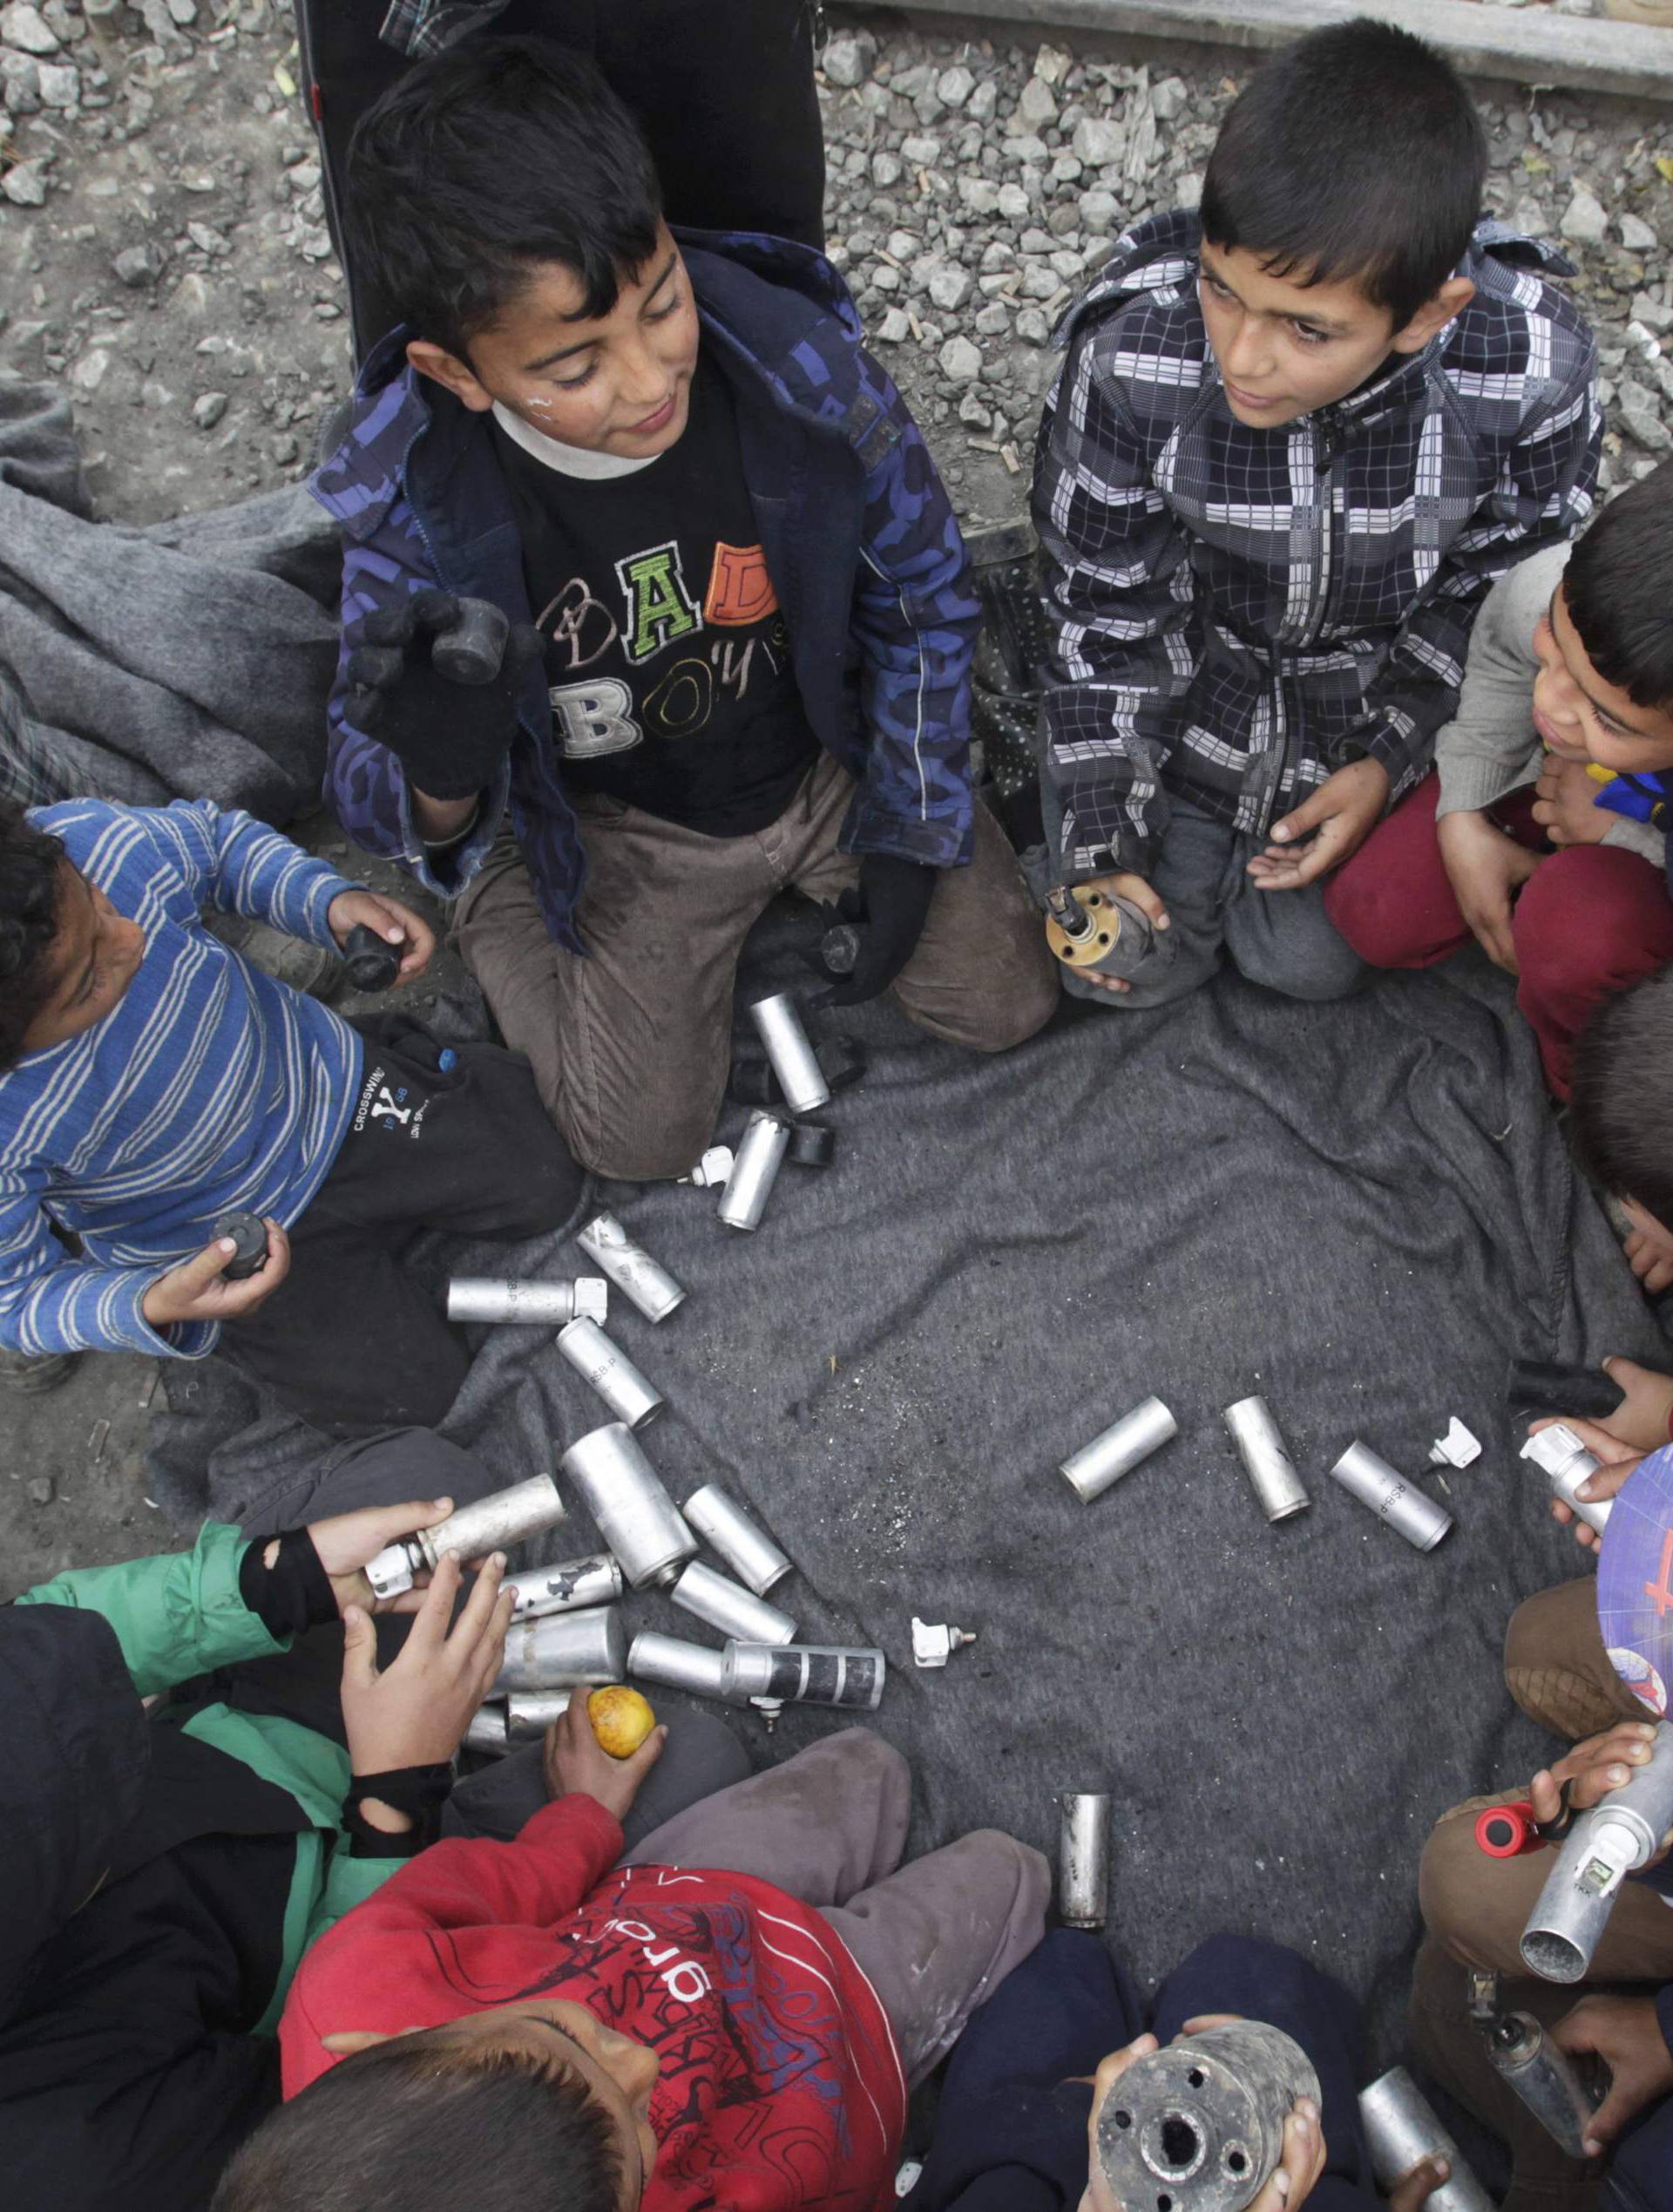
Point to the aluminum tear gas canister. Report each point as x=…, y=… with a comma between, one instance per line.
x=1098, y=934
x=734, y=1611
x=611, y=1373
x=806, y=1674
x=491, y=1524
x=1266, y=1460
x=249, y=1234
x=644, y=1282
x=678, y=1665
x=1401, y=2129
x=1083, y=1860
x=531, y=1712
x=559, y=1650
x=1566, y=1463
x=1622, y=1832
x=1407, y=1509
x=568, y=1588
x=481, y=1298
x=791, y=1053
x=624, y=1494
x=1562, y=2095
x=486, y=1732
x=1198, y=2126
x=1090, y=1471
x=737, y=1538
x=761, y=1154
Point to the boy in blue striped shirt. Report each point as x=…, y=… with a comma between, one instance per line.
x=152, y=1079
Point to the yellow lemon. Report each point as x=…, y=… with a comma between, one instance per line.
x=621, y=1719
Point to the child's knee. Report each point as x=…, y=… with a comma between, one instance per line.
x=1579, y=925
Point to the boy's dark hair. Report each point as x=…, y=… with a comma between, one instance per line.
x=1354, y=155
x=1621, y=1113
x=478, y=165
x=30, y=878
x=432, y=2125
x=1618, y=587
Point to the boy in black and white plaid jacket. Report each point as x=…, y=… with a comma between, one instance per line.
x=1291, y=448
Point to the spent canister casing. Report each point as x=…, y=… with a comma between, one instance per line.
x=734, y=1610
x=1090, y=1471
x=761, y=1154
x=558, y=1650
x=611, y=1373
x=807, y=1674
x=1407, y=1509
x=1621, y=1833
x=531, y=1712
x=481, y=1298
x=1083, y=1859
x=486, y=1731
x=737, y=1538
x=624, y=1494
x=570, y=1587
x=644, y=1282
x=490, y=1524
x=1401, y=2129
x=791, y=1052
x=1266, y=1459
x=1566, y=1463
x=678, y=1665
x=1198, y=2125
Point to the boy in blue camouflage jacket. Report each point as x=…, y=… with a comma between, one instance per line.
x=1291, y=446
x=742, y=619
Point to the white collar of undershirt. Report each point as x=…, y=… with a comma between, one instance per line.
x=567, y=460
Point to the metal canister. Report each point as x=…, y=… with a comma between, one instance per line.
x=559, y=1650
x=1266, y=1460
x=1401, y=2129
x=481, y=1298
x=1621, y=1833
x=611, y=1373
x=734, y=1611
x=1090, y=1471
x=644, y=1282
x=624, y=1494
x=788, y=1048
x=490, y=1524
x=570, y=1587
x=1198, y=2125
x=737, y=1538
x=1566, y=1463
x=679, y=1666
x=531, y=1712
x=486, y=1731
x=1083, y=1859
x=807, y=1674
x=761, y=1154
x=1407, y=1509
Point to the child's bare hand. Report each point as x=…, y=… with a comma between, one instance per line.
x=348, y=1542
x=1137, y=892
x=1592, y=1769
x=387, y=919
x=198, y=1290
x=1416, y=2187
x=1486, y=869
x=1324, y=830
x=1618, y=1459
x=415, y=1713
x=1565, y=803
x=1625, y=2034
x=1648, y=1249
x=1644, y=1417
x=578, y=1765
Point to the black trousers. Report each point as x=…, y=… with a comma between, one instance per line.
x=724, y=92
x=440, y=1139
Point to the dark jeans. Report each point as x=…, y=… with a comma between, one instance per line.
x=724, y=93
x=1010, y=2133
x=701, y=1756
x=350, y=1341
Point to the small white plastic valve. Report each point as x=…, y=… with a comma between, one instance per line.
x=934, y=1645
x=712, y=1170
x=1457, y=1447
x=591, y=1300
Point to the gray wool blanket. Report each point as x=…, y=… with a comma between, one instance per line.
x=1364, y=1211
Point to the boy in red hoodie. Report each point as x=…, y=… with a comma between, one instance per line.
x=728, y=2020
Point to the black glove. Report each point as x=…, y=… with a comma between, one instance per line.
x=891, y=906
x=426, y=681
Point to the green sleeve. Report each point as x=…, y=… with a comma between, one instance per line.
x=174, y=1617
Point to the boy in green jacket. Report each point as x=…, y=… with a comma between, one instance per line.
x=165, y=1871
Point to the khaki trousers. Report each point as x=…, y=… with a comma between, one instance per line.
x=631, y=1045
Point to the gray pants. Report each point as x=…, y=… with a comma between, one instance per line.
x=631, y=1045
x=1281, y=938
x=934, y=1939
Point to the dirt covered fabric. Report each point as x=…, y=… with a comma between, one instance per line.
x=1363, y=1211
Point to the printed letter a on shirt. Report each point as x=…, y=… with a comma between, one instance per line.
x=659, y=608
